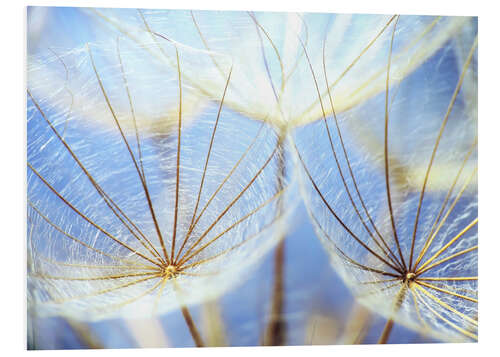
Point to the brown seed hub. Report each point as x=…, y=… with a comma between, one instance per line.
x=410, y=277
x=170, y=270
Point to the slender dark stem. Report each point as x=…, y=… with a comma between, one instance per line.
x=390, y=323
x=276, y=329
x=192, y=327
x=386, y=332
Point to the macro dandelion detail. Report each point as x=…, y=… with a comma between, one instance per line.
x=272, y=81
x=171, y=152
x=163, y=206
x=398, y=212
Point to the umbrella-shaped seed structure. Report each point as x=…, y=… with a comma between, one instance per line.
x=407, y=251
x=129, y=219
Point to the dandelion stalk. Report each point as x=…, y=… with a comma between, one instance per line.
x=390, y=323
x=386, y=332
x=192, y=327
x=276, y=328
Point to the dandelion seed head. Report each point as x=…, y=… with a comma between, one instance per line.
x=97, y=249
x=374, y=170
x=140, y=202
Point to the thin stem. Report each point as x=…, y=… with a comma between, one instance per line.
x=465, y=278
x=276, y=329
x=67, y=89
x=192, y=327
x=417, y=309
x=160, y=291
x=90, y=278
x=187, y=317
x=268, y=72
x=132, y=110
x=210, y=52
x=390, y=323
x=112, y=307
x=386, y=332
